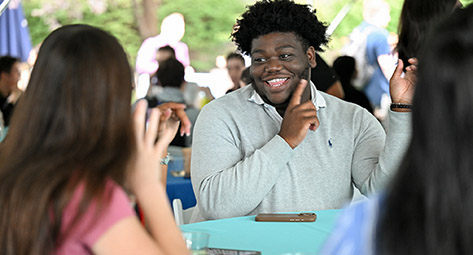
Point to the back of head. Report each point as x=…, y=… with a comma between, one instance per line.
x=268, y=16
x=417, y=17
x=431, y=195
x=344, y=66
x=165, y=53
x=171, y=73
x=72, y=125
x=168, y=50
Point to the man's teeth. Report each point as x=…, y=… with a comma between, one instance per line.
x=276, y=82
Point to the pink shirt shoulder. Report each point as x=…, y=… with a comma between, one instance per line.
x=91, y=226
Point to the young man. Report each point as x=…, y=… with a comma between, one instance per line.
x=9, y=91
x=235, y=67
x=279, y=144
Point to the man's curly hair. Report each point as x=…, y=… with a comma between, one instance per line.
x=269, y=16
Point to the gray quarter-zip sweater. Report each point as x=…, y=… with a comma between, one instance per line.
x=241, y=166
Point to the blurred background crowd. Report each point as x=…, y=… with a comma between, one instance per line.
x=197, y=34
x=208, y=24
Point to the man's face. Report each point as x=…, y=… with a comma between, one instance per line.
x=13, y=77
x=235, y=67
x=278, y=63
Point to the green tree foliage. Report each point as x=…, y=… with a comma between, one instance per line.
x=209, y=24
x=45, y=15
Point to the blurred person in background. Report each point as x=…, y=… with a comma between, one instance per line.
x=378, y=51
x=220, y=79
x=376, y=66
x=345, y=68
x=194, y=95
x=172, y=31
x=9, y=91
x=164, y=53
x=325, y=79
x=235, y=67
x=174, y=89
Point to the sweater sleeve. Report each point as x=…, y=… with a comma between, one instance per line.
x=376, y=158
x=226, y=182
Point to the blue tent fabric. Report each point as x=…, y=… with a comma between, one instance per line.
x=14, y=35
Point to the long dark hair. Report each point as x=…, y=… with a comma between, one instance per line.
x=71, y=127
x=429, y=207
x=417, y=17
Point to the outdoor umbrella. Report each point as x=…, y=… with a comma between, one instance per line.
x=14, y=36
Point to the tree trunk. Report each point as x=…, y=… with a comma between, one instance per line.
x=146, y=17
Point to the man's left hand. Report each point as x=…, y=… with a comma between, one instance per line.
x=402, y=87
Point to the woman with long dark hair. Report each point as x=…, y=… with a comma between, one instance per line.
x=427, y=208
x=72, y=150
x=417, y=17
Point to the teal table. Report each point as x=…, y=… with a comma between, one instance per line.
x=271, y=238
x=3, y=132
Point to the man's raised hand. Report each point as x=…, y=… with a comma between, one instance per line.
x=298, y=118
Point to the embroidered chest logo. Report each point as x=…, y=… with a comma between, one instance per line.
x=330, y=143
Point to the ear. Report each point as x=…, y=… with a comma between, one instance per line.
x=311, y=56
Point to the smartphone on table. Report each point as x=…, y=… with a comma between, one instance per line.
x=218, y=251
x=286, y=217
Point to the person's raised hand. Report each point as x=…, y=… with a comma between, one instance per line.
x=171, y=115
x=146, y=164
x=14, y=95
x=401, y=87
x=298, y=118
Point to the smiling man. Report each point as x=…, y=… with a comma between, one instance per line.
x=281, y=145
